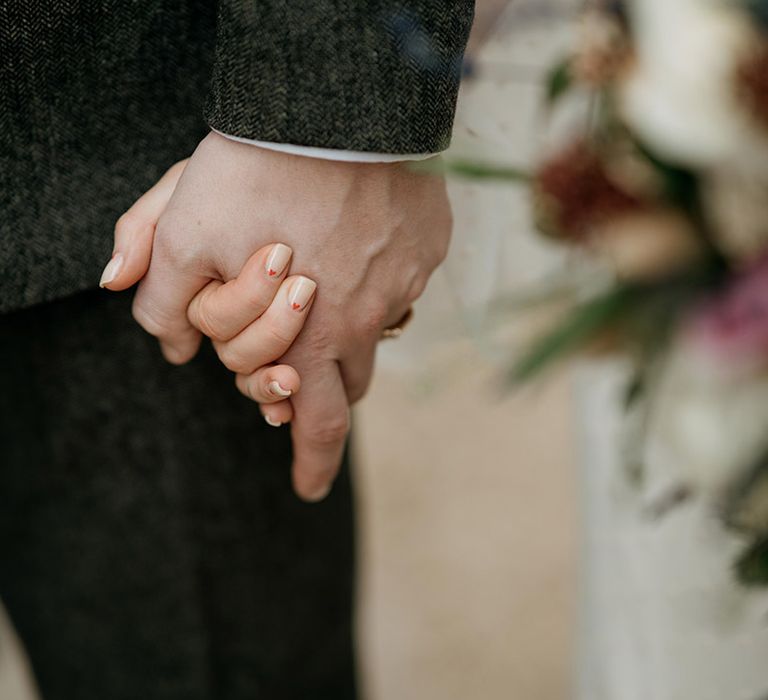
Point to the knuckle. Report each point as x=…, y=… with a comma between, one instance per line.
x=257, y=297
x=151, y=320
x=356, y=393
x=165, y=245
x=440, y=243
x=320, y=342
x=126, y=224
x=278, y=336
x=176, y=251
x=374, y=317
x=448, y=223
x=241, y=384
x=233, y=359
x=329, y=431
x=246, y=387
x=206, y=321
x=439, y=253
x=416, y=288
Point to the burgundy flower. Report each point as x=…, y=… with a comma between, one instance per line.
x=752, y=83
x=573, y=192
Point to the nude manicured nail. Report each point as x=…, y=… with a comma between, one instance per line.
x=277, y=390
x=301, y=292
x=278, y=260
x=273, y=423
x=112, y=270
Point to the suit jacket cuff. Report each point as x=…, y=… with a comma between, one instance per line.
x=371, y=76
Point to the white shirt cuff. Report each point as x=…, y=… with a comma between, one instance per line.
x=332, y=153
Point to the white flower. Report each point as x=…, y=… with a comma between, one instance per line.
x=737, y=202
x=711, y=426
x=680, y=96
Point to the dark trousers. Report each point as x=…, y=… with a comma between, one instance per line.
x=150, y=545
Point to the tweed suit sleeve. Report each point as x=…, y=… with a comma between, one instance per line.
x=358, y=75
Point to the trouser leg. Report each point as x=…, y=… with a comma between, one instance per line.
x=150, y=545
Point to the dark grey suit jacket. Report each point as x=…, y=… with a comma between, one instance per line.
x=97, y=99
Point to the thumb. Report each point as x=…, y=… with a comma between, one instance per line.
x=135, y=233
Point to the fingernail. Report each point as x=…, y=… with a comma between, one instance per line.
x=278, y=260
x=276, y=389
x=320, y=494
x=301, y=293
x=111, y=270
x=273, y=423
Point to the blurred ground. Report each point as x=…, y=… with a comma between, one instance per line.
x=467, y=531
x=467, y=495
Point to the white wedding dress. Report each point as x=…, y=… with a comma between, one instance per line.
x=662, y=617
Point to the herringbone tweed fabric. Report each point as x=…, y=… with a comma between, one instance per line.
x=383, y=75
x=150, y=545
x=97, y=99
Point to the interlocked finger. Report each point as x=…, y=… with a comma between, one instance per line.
x=269, y=337
x=221, y=311
x=269, y=385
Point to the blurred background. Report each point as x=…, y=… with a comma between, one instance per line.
x=467, y=492
x=467, y=495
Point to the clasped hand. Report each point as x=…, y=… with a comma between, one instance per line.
x=212, y=245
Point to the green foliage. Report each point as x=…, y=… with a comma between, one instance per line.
x=576, y=330
x=681, y=186
x=635, y=390
x=643, y=315
x=559, y=82
x=759, y=11
x=472, y=169
x=752, y=566
x=744, y=505
x=558, y=289
x=486, y=171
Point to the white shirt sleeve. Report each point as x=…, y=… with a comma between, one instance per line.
x=332, y=153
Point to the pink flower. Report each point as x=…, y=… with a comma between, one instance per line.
x=732, y=327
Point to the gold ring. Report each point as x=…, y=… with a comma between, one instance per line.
x=396, y=330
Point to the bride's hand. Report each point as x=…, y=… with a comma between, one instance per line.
x=252, y=319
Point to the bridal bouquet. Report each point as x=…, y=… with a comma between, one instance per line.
x=664, y=190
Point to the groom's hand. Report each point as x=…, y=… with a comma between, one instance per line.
x=369, y=234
